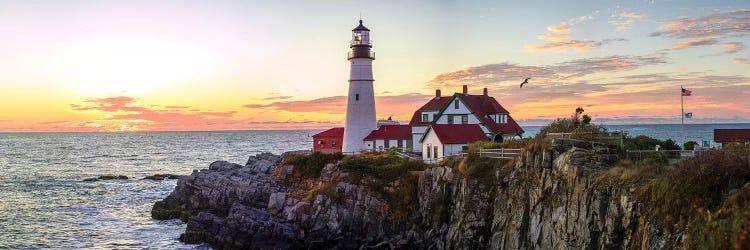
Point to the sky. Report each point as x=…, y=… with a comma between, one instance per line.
x=245, y=65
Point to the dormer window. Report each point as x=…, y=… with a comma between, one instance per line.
x=425, y=117
x=502, y=118
x=455, y=104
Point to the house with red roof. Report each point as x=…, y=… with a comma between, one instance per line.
x=328, y=141
x=440, y=140
x=390, y=136
x=731, y=136
x=462, y=108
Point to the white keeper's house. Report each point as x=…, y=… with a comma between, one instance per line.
x=443, y=126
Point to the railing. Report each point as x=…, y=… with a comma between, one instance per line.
x=361, y=42
x=500, y=153
x=495, y=153
x=669, y=154
x=370, y=54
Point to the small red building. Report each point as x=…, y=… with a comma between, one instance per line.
x=328, y=141
x=727, y=136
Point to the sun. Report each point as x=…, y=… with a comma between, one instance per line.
x=130, y=65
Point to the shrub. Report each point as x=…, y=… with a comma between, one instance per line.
x=643, y=142
x=309, y=166
x=689, y=145
x=695, y=185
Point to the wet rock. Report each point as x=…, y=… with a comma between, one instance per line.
x=107, y=177
x=160, y=177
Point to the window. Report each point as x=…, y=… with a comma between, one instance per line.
x=400, y=143
x=435, y=153
x=425, y=117
x=455, y=104
x=503, y=118
x=333, y=143
x=356, y=97
x=387, y=143
x=450, y=119
x=322, y=143
x=428, y=152
x=464, y=119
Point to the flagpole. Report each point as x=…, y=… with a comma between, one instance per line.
x=682, y=114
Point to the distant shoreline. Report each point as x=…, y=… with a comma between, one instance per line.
x=317, y=129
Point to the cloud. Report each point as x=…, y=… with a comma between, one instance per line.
x=555, y=37
x=577, y=45
x=696, y=42
x=176, y=107
x=277, y=98
x=398, y=105
x=122, y=113
x=624, y=20
x=733, y=23
x=741, y=61
x=579, y=19
x=733, y=47
x=560, y=28
x=511, y=74
x=586, y=66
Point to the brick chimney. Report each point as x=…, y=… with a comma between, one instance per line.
x=485, y=91
x=437, y=93
x=466, y=90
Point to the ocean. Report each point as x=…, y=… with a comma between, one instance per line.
x=44, y=202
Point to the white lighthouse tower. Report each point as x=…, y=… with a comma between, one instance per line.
x=360, y=107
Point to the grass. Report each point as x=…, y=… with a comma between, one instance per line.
x=706, y=197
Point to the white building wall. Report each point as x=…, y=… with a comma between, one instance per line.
x=429, y=142
x=360, y=113
x=462, y=108
x=417, y=132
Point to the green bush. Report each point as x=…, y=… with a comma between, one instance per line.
x=643, y=142
x=309, y=166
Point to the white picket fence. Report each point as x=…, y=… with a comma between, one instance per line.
x=495, y=153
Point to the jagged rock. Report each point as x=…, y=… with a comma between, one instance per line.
x=545, y=201
x=263, y=163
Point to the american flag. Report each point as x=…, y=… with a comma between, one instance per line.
x=688, y=114
x=686, y=92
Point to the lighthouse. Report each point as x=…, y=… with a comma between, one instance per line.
x=360, y=106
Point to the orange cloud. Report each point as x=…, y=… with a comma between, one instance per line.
x=741, y=60
x=560, y=28
x=576, y=45
x=399, y=106
x=732, y=23
x=624, y=20
x=555, y=37
x=696, y=42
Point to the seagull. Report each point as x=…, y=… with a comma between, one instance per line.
x=525, y=82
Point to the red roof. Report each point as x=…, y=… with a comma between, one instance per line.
x=391, y=132
x=732, y=135
x=458, y=133
x=481, y=105
x=334, y=132
x=435, y=104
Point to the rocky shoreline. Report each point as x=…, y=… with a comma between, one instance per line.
x=545, y=199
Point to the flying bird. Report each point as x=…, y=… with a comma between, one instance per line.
x=524, y=82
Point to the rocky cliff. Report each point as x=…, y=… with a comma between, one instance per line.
x=547, y=199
